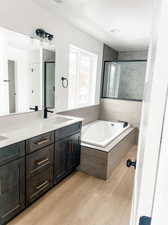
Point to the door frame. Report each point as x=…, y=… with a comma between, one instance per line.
x=153, y=112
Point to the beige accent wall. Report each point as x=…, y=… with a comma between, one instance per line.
x=113, y=110
x=89, y=114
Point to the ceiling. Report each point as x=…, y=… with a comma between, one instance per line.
x=122, y=24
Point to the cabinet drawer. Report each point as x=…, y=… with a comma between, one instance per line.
x=12, y=152
x=39, y=184
x=39, y=142
x=67, y=131
x=39, y=159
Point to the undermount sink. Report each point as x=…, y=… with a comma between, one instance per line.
x=2, y=138
x=59, y=119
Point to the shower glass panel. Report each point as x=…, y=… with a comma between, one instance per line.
x=124, y=79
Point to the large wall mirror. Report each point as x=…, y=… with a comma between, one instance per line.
x=23, y=61
x=124, y=80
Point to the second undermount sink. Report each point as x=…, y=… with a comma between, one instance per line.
x=2, y=138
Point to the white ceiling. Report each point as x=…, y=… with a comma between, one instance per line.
x=131, y=18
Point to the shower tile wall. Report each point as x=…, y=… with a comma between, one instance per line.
x=132, y=80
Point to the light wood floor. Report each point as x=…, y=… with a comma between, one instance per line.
x=84, y=200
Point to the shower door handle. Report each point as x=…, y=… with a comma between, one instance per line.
x=131, y=163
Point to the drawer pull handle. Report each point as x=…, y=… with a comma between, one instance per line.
x=45, y=141
x=45, y=183
x=42, y=162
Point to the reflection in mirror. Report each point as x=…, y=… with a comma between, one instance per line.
x=49, y=78
x=22, y=73
x=20, y=76
x=124, y=79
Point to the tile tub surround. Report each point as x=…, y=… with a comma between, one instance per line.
x=18, y=129
x=89, y=114
x=114, y=110
x=101, y=162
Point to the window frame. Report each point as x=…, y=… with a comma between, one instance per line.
x=92, y=78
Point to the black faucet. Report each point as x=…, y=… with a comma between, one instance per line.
x=46, y=111
x=125, y=124
x=35, y=108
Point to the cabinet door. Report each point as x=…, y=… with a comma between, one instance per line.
x=12, y=189
x=67, y=156
x=60, y=164
x=73, y=157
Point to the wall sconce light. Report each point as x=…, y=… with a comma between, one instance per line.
x=42, y=34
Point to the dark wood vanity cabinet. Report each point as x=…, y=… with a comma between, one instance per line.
x=67, y=151
x=30, y=168
x=12, y=184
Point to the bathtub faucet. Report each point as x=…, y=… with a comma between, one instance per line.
x=125, y=124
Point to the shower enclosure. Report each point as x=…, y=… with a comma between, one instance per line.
x=124, y=79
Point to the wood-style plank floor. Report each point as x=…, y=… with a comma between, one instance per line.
x=85, y=200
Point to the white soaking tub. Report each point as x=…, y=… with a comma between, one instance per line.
x=103, y=145
x=101, y=133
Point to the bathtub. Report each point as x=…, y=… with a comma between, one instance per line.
x=101, y=133
x=103, y=145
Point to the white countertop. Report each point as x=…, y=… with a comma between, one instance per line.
x=35, y=128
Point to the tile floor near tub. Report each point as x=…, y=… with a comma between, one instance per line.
x=84, y=200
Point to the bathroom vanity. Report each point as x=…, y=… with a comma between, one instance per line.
x=35, y=152
x=35, y=158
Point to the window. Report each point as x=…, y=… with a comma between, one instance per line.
x=82, y=77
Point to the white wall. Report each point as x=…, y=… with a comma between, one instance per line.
x=26, y=16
